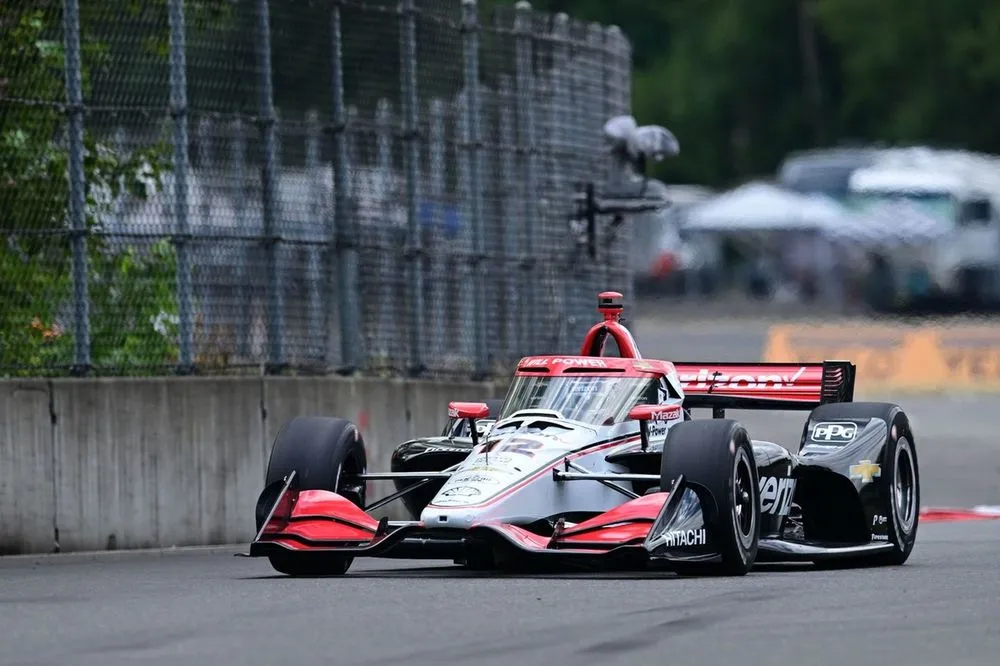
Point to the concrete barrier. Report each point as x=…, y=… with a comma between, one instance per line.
x=27, y=478
x=134, y=463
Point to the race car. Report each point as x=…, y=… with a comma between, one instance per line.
x=597, y=461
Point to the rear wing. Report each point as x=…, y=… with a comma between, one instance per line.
x=784, y=386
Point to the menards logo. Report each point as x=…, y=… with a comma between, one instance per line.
x=705, y=378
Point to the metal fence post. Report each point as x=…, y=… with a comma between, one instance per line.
x=182, y=231
x=617, y=98
x=275, y=309
x=509, y=302
x=342, y=230
x=388, y=332
x=527, y=151
x=77, y=189
x=413, y=253
x=315, y=221
x=439, y=271
x=591, y=79
x=470, y=30
x=237, y=156
x=561, y=185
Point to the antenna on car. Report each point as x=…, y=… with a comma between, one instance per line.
x=715, y=378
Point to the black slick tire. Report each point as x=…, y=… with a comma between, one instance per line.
x=716, y=454
x=326, y=454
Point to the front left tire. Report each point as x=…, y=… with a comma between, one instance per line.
x=326, y=454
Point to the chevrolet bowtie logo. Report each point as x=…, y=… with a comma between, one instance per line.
x=866, y=470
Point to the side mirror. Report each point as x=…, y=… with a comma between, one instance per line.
x=470, y=411
x=644, y=413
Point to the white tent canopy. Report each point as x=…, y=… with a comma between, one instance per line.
x=763, y=207
x=892, y=224
x=759, y=207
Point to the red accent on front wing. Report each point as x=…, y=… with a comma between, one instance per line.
x=618, y=534
x=532, y=542
x=324, y=503
x=318, y=515
x=324, y=529
x=624, y=523
x=801, y=382
x=642, y=508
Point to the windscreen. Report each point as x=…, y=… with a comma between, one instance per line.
x=592, y=400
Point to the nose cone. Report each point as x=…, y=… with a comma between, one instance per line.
x=458, y=518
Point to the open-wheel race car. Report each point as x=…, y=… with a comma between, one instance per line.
x=596, y=461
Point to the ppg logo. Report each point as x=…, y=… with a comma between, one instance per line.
x=834, y=433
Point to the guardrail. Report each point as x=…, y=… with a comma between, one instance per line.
x=109, y=464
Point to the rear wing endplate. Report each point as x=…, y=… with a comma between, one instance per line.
x=763, y=386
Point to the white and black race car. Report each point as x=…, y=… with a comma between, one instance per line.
x=596, y=461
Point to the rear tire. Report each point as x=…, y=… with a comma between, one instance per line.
x=901, y=474
x=716, y=454
x=326, y=454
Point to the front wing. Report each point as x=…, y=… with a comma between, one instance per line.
x=659, y=528
x=316, y=521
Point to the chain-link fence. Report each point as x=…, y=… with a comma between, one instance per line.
x=331, y=185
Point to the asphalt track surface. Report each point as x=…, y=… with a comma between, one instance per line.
x=208, y=607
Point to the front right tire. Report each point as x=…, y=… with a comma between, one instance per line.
x=716, y=454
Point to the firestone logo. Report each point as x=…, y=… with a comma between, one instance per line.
x=705, y=378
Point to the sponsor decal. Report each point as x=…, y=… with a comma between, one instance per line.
x=776, y=495
x=880, y=537
x=474, y=477
x=461, y=491
x=669, y=413
x=484, y=468
x=517, y=445
x=447, y=449
x=453, y=412
x=866, y=470
x=684, y=538
x=830, y=433
x=879, y=520
x=656, y=431
x=574, y=362
x=492, y=460
x=705, y=378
